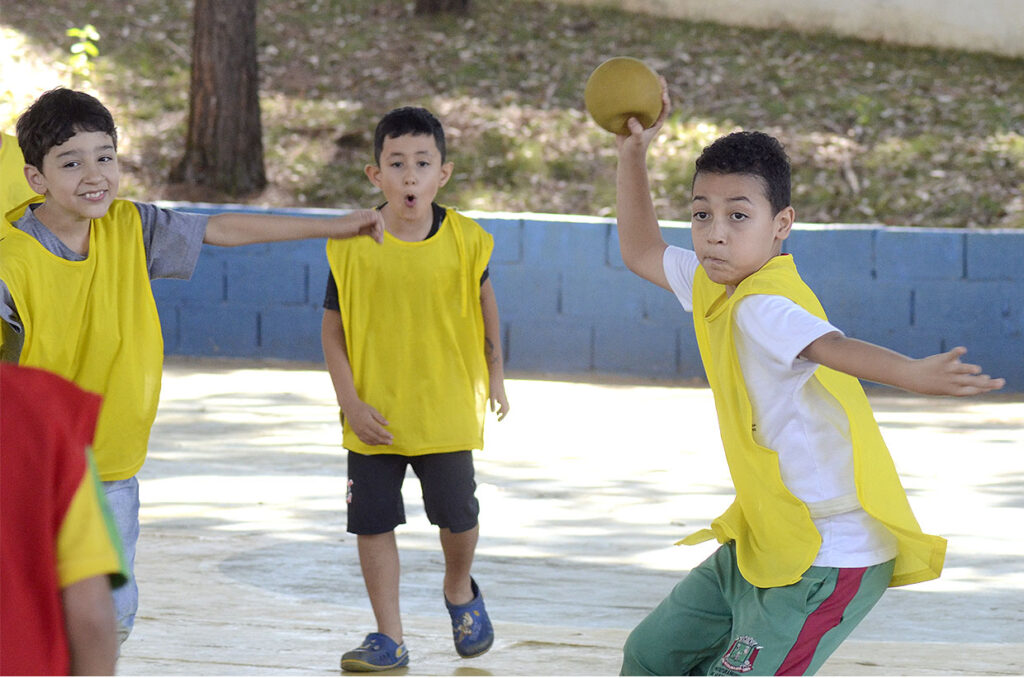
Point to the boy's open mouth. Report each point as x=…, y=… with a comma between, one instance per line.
x=410, y=200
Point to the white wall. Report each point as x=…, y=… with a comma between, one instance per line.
x=995, y=26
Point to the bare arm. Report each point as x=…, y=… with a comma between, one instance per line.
x=367, y=422
x=234, y=228
x=492, y=350
x=940, y=374
x=640, y=240
x=91, y=626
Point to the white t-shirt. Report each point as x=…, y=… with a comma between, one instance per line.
x=797, y=418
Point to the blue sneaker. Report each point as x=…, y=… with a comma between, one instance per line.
x=471, y=626
x=377, y=653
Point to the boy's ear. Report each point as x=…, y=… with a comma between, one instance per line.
x=373, y=174
x=35, y=179
x=446, y=172
x=784, y=222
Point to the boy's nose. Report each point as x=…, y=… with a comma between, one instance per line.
x=92, y=172
x=715, y=232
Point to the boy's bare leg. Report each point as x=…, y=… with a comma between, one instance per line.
x=378, y=558
x=459, y=548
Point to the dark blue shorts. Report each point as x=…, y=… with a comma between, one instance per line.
x=374, y=494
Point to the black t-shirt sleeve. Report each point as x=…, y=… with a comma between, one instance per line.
x=331, y=294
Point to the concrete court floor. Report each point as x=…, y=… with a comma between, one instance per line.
x=245, y=567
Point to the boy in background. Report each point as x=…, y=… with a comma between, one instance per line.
x=412, y=341
x=59, y=551
x=821, y=525
x=75, y=293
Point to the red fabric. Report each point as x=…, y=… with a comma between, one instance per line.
x=46, y=423
x=821, y=621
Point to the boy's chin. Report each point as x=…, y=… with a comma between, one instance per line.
x=417, y=206
x=97, y=211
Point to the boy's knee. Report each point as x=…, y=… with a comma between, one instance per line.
x=632, y=657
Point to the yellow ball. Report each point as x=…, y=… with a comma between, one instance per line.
x=623, y=88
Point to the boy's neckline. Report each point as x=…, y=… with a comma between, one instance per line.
x=437, y=217
x=63, y=236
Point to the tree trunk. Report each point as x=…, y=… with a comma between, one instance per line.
x=438, y=6
x=224, y=142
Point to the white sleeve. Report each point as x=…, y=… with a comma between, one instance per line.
x=778, y=327
x=680, y=266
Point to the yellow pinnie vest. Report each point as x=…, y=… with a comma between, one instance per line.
x=414, y=333
x=95, y=323
x=776, y=540
x=14, y=188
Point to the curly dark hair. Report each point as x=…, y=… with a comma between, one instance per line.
x=407, y=120
x=753, y=153
x=55, y=117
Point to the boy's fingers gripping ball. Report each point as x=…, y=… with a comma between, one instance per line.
x=623, y=88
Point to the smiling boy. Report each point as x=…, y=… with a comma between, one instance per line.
x=412, y=341
x=75, y=293
x=820, y=526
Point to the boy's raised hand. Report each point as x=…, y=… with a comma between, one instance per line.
x=359, y=222
x=368, y=424
x=945, y=374
x=639, y=136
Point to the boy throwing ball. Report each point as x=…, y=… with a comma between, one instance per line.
x=820, y=526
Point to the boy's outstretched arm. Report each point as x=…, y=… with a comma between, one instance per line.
x=940, y=374
x=366, y=421
x=234, y=228
x=492, y=350
x=640, y=241
x=91, y=626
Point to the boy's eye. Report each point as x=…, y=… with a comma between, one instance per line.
x=700, y=216
x=106, y=158
x=70, y=165
x=738, y=216
x=423, y=163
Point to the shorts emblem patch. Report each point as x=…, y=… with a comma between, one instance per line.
x=741, y=654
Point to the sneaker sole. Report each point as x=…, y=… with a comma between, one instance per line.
x=359, y=666
x=477, y=654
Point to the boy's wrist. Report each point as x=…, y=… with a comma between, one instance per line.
x=347, y=402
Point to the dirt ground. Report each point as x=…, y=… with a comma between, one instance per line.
x=245, y=567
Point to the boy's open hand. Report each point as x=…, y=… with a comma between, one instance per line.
x=368, y=424
x=944, y=374
x=360, y=222
x=639, y=137
x=499, y=401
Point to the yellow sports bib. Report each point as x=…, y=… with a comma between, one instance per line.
x=95, y=323
x=414, y=332
x=14, y=188
x=776, y=540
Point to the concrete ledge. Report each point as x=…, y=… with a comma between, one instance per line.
x=981, y=26
x=569, y=305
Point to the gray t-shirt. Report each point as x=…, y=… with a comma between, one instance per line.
x=172, y=240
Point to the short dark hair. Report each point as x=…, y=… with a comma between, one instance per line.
x=753, y=153
x=407, y=120
x=55, y=117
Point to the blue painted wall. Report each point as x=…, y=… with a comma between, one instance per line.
x=569, y=306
